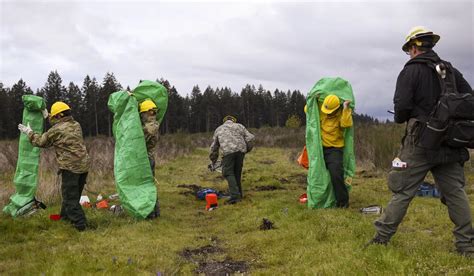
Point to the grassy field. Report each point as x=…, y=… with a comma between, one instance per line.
x=187, y=239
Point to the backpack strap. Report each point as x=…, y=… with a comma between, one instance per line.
x=447, y=80
x=444, y=71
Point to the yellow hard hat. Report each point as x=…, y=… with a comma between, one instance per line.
x=147, y=105
x=305, y=108
x=57, y=108
x=330, y=104
x=419, y=32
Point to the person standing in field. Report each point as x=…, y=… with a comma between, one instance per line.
x=334, y=118
x=148, y=111
x=417, y=92
x=65, y=136
x=235, y=141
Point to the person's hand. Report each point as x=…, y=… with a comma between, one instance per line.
x=45, y=113
x=346, y=104
x=25, y=129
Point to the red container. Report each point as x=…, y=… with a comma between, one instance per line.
x=211, y=201
x=303, y=198
x=103, y=204
x=55, y=217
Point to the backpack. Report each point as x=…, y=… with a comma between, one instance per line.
x=451, y=122
x=201, y=194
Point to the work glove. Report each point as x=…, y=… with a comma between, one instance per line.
x=346, y=104
x=45, y=113
x=25, y=129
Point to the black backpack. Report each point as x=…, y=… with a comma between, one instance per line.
x=451, y=122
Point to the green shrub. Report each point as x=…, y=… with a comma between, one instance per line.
x=293, y=122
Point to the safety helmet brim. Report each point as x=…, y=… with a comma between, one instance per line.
x=327, y=110
x=421, y=35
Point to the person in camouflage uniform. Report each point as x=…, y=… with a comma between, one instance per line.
x=65, y=136
x=235, y=141
x=148, y=111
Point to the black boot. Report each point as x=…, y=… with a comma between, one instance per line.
x=378, y=240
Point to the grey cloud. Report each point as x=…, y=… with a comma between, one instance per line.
x=278, y=45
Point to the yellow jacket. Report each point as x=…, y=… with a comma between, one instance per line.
x=332, y=126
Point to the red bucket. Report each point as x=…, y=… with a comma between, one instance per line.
x=55, y=217
x=211, y=201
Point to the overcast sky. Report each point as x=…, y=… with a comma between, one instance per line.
x=279, y=45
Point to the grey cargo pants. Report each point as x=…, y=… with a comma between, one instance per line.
x=449, y=178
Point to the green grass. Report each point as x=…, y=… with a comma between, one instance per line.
x=304, y=241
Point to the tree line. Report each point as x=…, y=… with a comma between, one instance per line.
x=198, y=111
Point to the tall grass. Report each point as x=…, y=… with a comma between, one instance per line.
x=375, y=146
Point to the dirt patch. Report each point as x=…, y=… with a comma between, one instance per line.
x=203, y=258
x=267, y=225
x=268, y=188
x=192, y=254
x=366, y=174
x=187, y=193
x=215, y=177
x=266, y=162
x=192, y=187
x=225, y=267
x=299, y=179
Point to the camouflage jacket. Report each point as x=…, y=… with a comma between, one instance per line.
x=66, y=137
x=230, y=137
x=150, y=130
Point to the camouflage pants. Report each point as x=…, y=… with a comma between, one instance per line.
x=232, y=171
x=71, y=189
x=446, y=166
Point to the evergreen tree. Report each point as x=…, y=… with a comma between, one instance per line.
x=280, y=106
x=164, y=127
x=104, y=116
x=16, y=105
x=176, y=113
x=53, y=89
x=268, y=109
x=6, y=122
x=90, y=90
x=247, y=96
x=196, y=112
x=75, y=99
x=210, y=103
